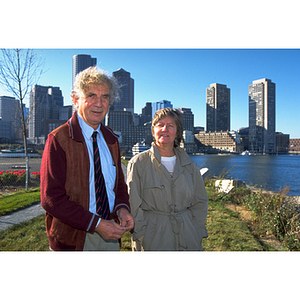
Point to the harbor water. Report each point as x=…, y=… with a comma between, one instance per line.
x=270, y=172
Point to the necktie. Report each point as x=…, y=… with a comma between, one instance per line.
x=102, y=207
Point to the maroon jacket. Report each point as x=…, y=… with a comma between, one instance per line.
x=65, y=185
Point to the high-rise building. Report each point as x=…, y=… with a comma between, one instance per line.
x=160, y=105
x=262, y=137
x=217, y=108
x=82, y=62
x=126, y=91
x=122, y=123
x=147, y=111
x=282, y=143
x=146, y=115
x=10, y=118
x=45, y=103
x=187, y=118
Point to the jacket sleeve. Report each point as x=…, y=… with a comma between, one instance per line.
x=134, y=190
x=54, y=198
x=199, y=207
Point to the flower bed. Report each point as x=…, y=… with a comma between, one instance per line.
x=15, y=178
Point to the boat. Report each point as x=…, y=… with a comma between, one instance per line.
x=138, y=148
x=13, y=150
x=17, y=153
x=246, y=153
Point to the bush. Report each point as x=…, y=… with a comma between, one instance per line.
x=36, y=175
x=274, y=213
x=12, y=178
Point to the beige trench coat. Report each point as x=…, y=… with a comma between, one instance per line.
x=169, y=212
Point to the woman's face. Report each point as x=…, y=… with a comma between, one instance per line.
x=164, y=132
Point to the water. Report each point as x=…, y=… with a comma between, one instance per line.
x=269, y=172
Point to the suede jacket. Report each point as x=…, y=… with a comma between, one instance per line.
x=65, y=185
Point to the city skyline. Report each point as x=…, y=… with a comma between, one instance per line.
x=181, y=76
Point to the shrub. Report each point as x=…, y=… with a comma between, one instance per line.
x=36, y=175
x=274, y=213
x=12, y=177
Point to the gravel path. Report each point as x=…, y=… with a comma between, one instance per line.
x=21, y=215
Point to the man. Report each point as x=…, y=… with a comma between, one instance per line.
x=80, y=212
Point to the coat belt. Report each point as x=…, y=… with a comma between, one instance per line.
x=175, y=218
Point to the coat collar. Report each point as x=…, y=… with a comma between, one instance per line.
x=182, y=161
x=181, y=155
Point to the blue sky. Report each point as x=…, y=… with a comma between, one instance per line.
x=182, y=76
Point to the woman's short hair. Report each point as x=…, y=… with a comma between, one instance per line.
x=173, y=113
x=94, y=76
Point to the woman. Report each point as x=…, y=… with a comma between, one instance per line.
x=167, y=194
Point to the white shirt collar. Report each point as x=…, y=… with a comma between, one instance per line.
x=87, y=130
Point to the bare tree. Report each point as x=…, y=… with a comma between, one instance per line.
x=19, y=70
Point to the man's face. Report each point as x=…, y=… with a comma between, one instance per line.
x=93, y=105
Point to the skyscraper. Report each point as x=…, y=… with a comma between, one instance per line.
x=262, y=137
x=159, y=105
x=10, y=118
x=187, y=119
x=82, y=62
x=44, y=103
x=217, y=108
x=127, y=91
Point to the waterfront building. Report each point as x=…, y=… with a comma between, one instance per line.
x=82, y=62
x=244, y=136
x=282, y=143
x=217, y=108
x=219, y=141
x=187, y=118
x=262, y=136
x=10, y=123
x=126, y=91
x=45, y=103
x=197, y=129
x=294, y=145
x=160, y=105
x=188, y=142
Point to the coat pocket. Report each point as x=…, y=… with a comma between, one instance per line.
x=149, y=236
x=189, y=236
x=62, y=232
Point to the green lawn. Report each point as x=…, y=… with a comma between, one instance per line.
x=18, y=200
x=226, y=233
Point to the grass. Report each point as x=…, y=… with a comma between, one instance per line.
x=27, y=236
x=227, y=229
x=18, y=200
x=226, y=233
x=31, y=236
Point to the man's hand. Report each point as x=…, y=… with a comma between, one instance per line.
x=110, y=230
x=125, y=219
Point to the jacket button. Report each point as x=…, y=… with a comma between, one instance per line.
x=162, y=186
